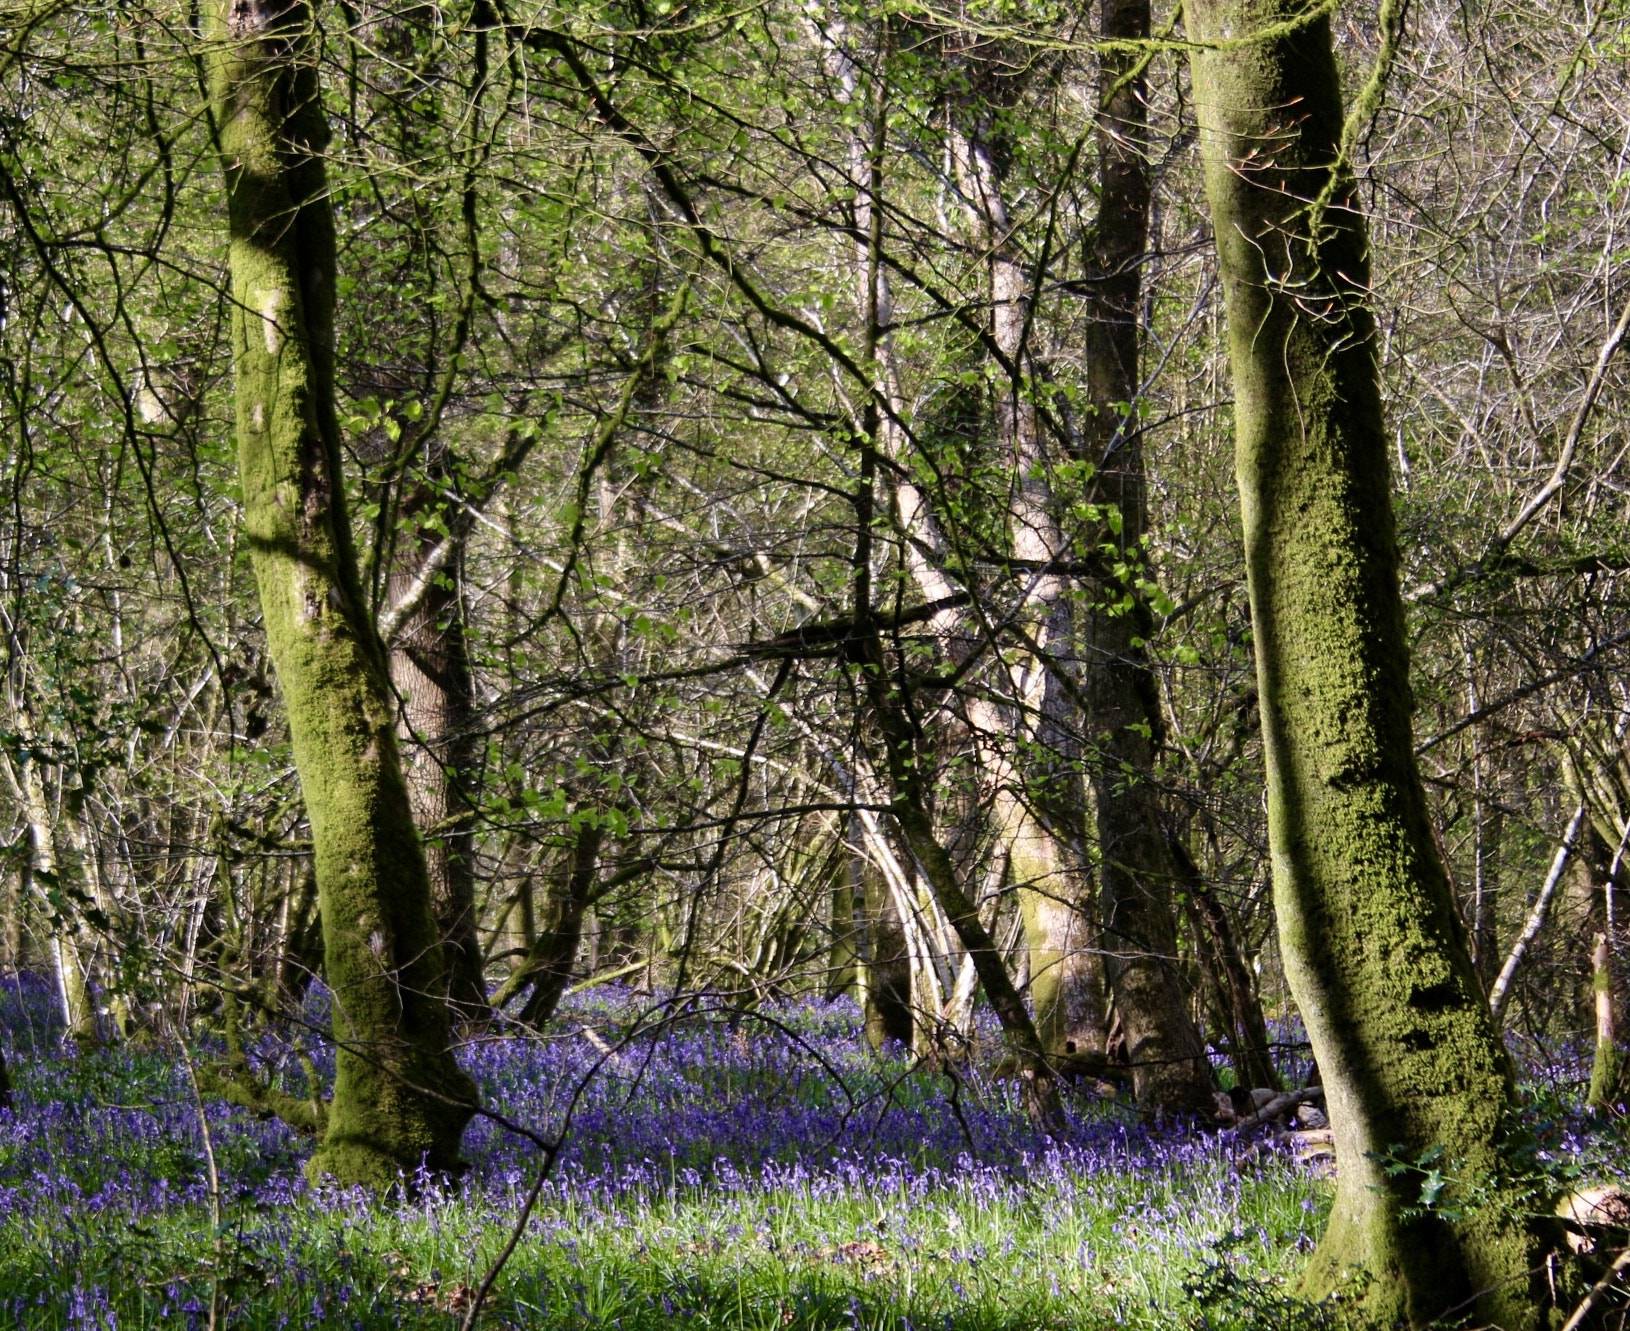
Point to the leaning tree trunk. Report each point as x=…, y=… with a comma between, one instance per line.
x=547, y=966
x=1137, y=875
x=399, y=1100
x=889, y=701
x=1373, y=947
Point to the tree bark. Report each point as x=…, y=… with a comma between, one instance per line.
x=1038, y=808
x=11, y=927
x=430, y=671
x=1374, y=949
x=888, y=1015
x=846, y=960
x=908, y=803
x=1137, y=874
x=399, y=1100
x=1607, y=1065
x=53, y=878
x=1588, y=918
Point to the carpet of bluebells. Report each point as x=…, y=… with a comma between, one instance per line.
x=723, y=1169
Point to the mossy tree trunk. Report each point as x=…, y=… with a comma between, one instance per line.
x=1066, y=982
x=1607, y=1064
x=399, y=1097
x=846, y=963
x=1136, y=874
x=11, y=926
x=1373, y=947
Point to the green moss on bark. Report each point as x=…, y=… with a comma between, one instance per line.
x=399, y=1097
x=1373, y=948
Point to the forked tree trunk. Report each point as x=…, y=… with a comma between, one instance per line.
x=399, y=1100
x=908, y=801
x=1136, y=873
x=1373, y=947
x=547, y=966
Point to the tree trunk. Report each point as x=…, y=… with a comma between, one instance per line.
x=1374, y=949
x=908, y=802
x=846, y=963
x=846, y=952
x=1169, y=1067
x=888, y=1015
x=1488, y=826
x=430, y=670
x=400, y=1100
x=1587, y=918
x=1038, y=814
x=54, y=880
x=11, y=927
x=1607, y=1066
x=82, y=855
x=1066, y=974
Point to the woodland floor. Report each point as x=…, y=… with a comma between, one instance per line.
x=759, y=1171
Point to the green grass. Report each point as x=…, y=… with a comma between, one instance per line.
x=715, y=1183
x=1112, y=1250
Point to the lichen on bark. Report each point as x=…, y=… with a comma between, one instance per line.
x=1374, y=951
x=399, y=1099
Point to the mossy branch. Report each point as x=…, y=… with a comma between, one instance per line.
x=234, y=1080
